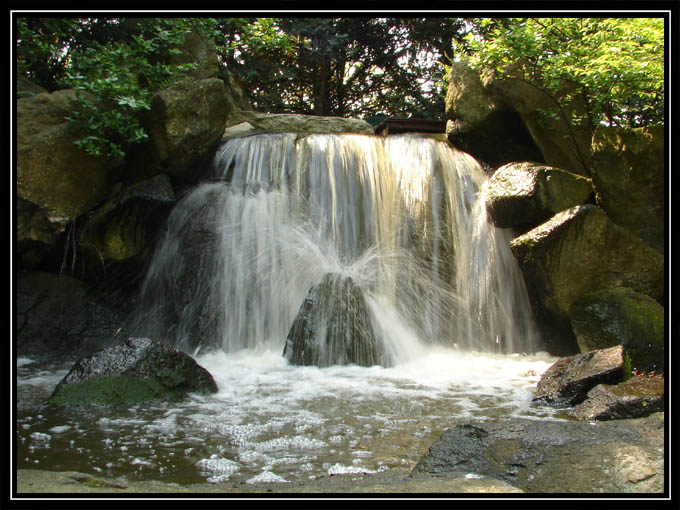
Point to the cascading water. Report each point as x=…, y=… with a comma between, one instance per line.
x=398, y=224
x=402, y=216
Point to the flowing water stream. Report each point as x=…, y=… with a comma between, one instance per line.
x=404, y=218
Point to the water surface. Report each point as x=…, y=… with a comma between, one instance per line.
x=274, y=422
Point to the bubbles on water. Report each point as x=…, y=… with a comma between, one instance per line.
x=217, y=469
x=292, y=422
x=266, y=477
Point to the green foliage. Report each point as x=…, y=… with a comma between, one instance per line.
x=114, y=72
x=616, y=63
x=325, y=66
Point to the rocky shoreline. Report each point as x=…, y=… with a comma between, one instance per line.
x=30, y=481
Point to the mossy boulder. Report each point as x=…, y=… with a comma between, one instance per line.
x=333, y=327
x=504, y=120
x=137, y=371
x=185, y=126
x=125, y=226
x=577, y=251
x=56, y=181
x=621, y=316
x=528, y=193
x=629, y=172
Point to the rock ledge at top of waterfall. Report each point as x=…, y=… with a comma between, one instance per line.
x=251, y=123
x=135, y=371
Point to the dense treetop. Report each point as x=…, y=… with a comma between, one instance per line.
x=352, y=67
x=616, y=63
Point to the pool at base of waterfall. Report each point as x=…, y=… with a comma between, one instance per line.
x=271, y=421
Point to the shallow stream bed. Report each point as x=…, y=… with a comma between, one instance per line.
x=274, y=422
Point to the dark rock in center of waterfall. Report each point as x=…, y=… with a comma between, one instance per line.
x=333, y=327
x=136, y=371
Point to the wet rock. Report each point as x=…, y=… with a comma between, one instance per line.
x=621, y=316
x=623, y=456
x=333, y=327
x=577, y=251
x=529, y=193
x=568, y=381
x=136, y=371
x=637, y=397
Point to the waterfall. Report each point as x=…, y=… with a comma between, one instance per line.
x=402, y=216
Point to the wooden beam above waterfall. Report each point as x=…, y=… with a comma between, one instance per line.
x=394, y=126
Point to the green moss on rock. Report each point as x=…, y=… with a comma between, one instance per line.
x=621, y=316
x=137, y=371
x=114, y=391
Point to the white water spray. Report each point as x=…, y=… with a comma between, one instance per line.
x=402, y=216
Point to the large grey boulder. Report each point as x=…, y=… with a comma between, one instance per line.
x=56, y=181
x=577, y=251
x=528, y=193
x=504, y=120
x=546, y=456
x=621, y=316
x=568, y=380
x=185, y=126
x=134, y=372
x=333, y=327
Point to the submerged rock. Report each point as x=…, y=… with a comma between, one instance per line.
x=136, y=371
x=541, y=456
x=637, y=397
x=568, y=381
x=333, y=327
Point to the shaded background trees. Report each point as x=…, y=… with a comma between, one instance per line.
x=361, y=67
x=369, y=68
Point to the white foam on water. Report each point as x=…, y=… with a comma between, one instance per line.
x=266, y=477
x=218, y=469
